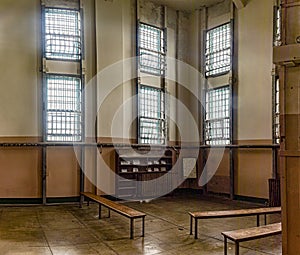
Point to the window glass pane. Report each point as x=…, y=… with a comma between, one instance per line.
x=218, y=50
x=217, y=119
x=64, y=113
x=276, y=112
x=151, y=49
x=277, y=27
x=152, y=114
x=62, y=34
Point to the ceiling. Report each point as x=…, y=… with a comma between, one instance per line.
x=187, y=4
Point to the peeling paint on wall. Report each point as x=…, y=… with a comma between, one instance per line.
x=150, y=13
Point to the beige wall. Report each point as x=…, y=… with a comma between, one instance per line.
x=20, y=175
x=109, y=38
x=254, y=70
x=62, y=172
x=20, y=92
x=254, y=49
x=20, y=95
x=254, y=170
x=21, y=110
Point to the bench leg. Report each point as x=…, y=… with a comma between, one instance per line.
x=99, y=212
x=196, y=228
x=265, y=219
x=131, y=228
x=191, y=225
x=143, y=226
x=225, y=245
x=81, y=199
x=88, y=202
x=257, y=220
x=108, y=213
x=237, y=248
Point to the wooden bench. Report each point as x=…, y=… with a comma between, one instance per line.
x=230, y=213
x=118, y=208
x=242, y=235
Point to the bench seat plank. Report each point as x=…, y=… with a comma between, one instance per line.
x=119, y=208
x=242, y=235
x=233, y=213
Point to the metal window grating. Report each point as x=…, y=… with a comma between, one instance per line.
x=62, y=34
x=151, y=115
x=277, y=27
x=218, y=50
x=64, y=108
x=276, y=112
x=217, y=119
x=151, y=49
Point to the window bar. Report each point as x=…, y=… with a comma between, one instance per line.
x=63, y=108
x=151, y=49
x=82, y=56
x=151, y=115
x=276, y=112
x=232, y=109
x=62, y=34
x=218, y=50
x=277, y=25
x=217, y=121
x=62, y=39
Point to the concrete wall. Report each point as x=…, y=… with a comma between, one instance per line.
x=253, y=87
x=20, y=95
x=110, y=37
x=255, y=33
x=20, y=91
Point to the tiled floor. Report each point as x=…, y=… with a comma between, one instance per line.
x=67, y=229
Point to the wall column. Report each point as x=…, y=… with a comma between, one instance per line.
x=287, y=58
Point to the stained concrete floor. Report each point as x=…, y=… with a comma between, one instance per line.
x=67, y=229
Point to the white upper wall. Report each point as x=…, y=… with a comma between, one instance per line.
x=255, y=33
x=19, y=64
x=20, y=82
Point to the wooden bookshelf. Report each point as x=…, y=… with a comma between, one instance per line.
x=135, y=168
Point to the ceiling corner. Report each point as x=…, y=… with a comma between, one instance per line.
x=240, y=3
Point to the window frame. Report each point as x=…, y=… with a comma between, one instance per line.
x=161, y=110
x=277, y=19
x=161, y=54
x=78, y=36
x=79, y=103
x=276, y=110
x=208, y=138
x=206, y=54
x=51, y=71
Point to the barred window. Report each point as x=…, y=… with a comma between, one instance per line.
x=151, y=115
x=63, y=108
x=276, y=113
x=62, y=34
x=218, y=50
x=277, y=26
x=151, y=49
x=217, y=119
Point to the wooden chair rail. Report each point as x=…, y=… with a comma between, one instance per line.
x=118, y=208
